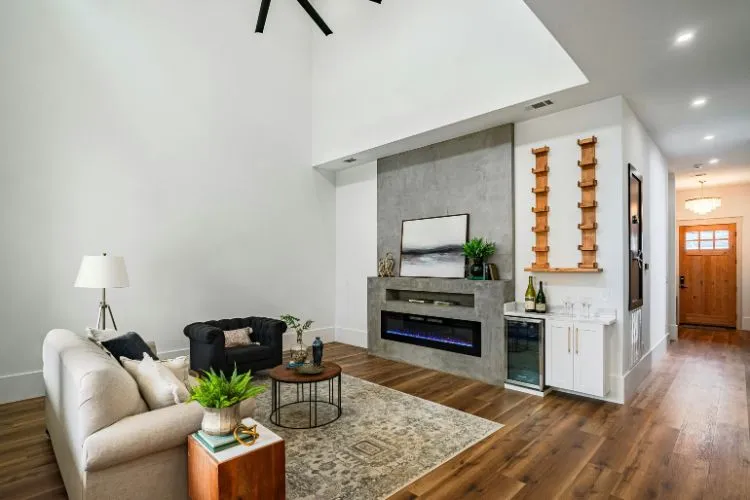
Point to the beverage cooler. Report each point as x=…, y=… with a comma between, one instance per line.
x=524, y=338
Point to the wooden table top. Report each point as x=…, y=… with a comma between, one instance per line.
x=284, y=374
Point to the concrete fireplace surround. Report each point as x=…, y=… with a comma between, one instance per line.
x=471, y=175
x=488, y=298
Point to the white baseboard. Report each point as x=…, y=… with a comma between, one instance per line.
x=351, y=336
x=746, y=322
x=326, y=334
x=18, y=386
x=673, y=332
x=637, y=374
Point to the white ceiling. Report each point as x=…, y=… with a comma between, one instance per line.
x=626, y=47
x=398, y=70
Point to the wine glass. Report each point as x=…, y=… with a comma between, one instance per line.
x=568, y=306
x=586, y=306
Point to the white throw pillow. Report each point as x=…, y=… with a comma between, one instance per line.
x=99, y=336
x=159, y=386
x=180, y=366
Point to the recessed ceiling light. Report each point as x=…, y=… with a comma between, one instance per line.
x=709, y=137
x=713, y=161
x=699, y=102
x=684, y=37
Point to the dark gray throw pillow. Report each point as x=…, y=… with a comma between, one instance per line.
x=129, y=345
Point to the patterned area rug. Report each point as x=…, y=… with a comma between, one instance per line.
x=383, y=441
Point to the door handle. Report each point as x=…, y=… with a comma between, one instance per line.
x=576, y=340
x=568, y=339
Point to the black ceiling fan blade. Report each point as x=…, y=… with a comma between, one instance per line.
x=315, y=17
x=262, y=15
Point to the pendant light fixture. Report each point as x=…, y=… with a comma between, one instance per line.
x=703, y=205
x=266, y=4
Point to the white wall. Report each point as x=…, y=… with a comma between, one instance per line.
x=356, y=249
x=641, y=152
x=734, y=205
x=398, y=69
x=560, y=131
x=671, y=249
x=169, y=133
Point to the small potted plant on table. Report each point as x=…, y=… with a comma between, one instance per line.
x=478, y=250
x=298, y=352
x=220, y=398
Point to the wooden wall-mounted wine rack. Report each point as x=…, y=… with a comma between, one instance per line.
x=588, y=204
x=541, y=208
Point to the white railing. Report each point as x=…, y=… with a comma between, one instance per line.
x=636, y=336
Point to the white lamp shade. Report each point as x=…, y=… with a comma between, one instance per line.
x=102, y=271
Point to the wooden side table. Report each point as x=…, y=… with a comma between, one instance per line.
x=247, y=472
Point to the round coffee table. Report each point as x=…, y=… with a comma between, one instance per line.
x=283, y=375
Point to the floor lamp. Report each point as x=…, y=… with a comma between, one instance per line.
x=103, y=271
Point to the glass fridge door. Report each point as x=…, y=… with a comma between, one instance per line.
x=524, y=350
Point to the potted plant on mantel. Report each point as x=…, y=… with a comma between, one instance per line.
x=478, y=250
x=220, y=398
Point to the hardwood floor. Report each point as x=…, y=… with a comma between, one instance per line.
x=684, y=435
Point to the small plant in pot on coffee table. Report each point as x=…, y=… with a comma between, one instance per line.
x=478, y=250
x=220, y=398
x=299, y=350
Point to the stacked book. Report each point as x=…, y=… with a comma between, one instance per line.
x=215, y=443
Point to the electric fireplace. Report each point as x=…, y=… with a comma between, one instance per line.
x=448, y=334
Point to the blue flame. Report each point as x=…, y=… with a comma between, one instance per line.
x=432, y=338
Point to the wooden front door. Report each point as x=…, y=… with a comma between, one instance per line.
x=708, y=275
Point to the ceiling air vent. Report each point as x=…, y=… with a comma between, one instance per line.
x=350, y=160
x=540, y=104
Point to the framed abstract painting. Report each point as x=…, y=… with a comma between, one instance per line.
x=433, y=247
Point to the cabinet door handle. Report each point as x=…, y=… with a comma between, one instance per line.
x=576, y=340
x=568, y=339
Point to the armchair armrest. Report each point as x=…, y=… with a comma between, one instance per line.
x=268, y=330
x=146, y=433
x=203, y=333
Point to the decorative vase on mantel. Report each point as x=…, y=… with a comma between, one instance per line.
x=476, y=270
x=220, y=421
x=298, y=352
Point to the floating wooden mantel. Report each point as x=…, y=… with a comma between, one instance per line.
x=561, y=270
x=588, y=205
x=541, y=208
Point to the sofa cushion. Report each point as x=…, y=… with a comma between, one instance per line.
x=159, y=386
x=248, y=354
x=129, y=345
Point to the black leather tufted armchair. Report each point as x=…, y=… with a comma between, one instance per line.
x=207, y=345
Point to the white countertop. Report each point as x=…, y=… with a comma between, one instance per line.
x=604, y=317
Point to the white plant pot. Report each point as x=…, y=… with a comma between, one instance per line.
x=220, y=422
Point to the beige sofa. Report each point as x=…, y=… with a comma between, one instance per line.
x=107, y=443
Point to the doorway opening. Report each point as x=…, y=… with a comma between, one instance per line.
x=708, y=275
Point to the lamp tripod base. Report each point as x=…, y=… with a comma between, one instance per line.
x=104, y=308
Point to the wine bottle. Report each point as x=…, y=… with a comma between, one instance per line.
x=541, y=300
x=530, y=299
